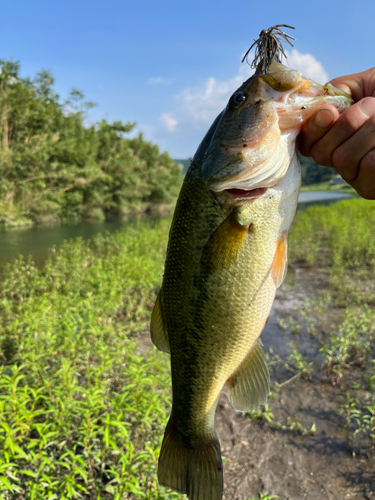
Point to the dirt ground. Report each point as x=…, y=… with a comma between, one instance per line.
x=289, y=465
x=259, y=458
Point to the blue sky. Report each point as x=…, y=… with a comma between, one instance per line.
x=171, y=65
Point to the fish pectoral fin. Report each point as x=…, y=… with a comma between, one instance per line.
x=279, y=265
x=197, y=472
x=249, y=386
x=158, y=330
x=224, y=245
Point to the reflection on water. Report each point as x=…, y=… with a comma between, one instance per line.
x=36, y=240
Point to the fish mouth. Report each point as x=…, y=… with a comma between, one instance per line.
x=240, y=194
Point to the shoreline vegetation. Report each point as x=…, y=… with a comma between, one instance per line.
x=83, y=403
x=56, y=166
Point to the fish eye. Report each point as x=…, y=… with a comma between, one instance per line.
x=237, y=99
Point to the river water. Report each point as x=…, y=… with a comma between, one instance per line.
x=36, y=240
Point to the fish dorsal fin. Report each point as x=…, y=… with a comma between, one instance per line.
x=224, y=245
x=158, y=330
x=280, y=261
x=249, y=386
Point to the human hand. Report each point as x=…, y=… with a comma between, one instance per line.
x=346, y=142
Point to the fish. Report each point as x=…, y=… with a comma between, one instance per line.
x=226, y=257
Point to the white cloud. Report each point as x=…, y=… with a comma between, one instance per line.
x=168, y=121
x=203, y=102
x=159, y=80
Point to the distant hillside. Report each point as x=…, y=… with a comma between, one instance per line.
x=185, y=164
x=312, y=173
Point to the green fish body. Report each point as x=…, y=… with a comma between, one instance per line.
x=227, y=255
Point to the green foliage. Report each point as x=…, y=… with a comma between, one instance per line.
x=353, y=340
x=340, y=239
x=360, y=421
x=312, y=173
x=82, y=413
x=297, y=427
x=289, y=323
x=261, y=414
x=339, y=236
x=300, y=362
x=55, y=166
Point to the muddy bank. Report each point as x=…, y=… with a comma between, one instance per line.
x=284, y=463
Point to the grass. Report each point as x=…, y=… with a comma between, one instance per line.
x=328, y=186
x=340, y=236
x=340, y=241
x=81, y=413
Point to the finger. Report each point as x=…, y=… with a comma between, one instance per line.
x=365, y=182
x=358, y=85
x=346, y=158
x=348, y=123
x=316, y=127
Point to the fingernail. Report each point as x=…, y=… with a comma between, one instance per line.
x=368, y=106
x=324, y=118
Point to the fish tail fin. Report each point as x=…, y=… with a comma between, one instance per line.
x=196, y=472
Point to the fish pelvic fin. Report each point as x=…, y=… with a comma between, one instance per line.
x=158, y=330
x=224, y=245
x=196, y=472
x=249, y=386
x=280, y=261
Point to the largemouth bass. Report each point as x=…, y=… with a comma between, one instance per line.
x=227, y=255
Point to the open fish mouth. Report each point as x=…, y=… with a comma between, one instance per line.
x=240, y=194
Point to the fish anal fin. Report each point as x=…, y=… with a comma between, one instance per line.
x=249, y=386
x=197, y=472
x=157, y=328
x=279, y=265
x=224, y=245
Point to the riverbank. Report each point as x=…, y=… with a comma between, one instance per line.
x=12, y=222
x=14, y=218
x=85, y=396
x=37, y=239
x=329, y=186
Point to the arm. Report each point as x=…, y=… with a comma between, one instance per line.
x=346, y=142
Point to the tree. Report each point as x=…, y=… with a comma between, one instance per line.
x=53, y=165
